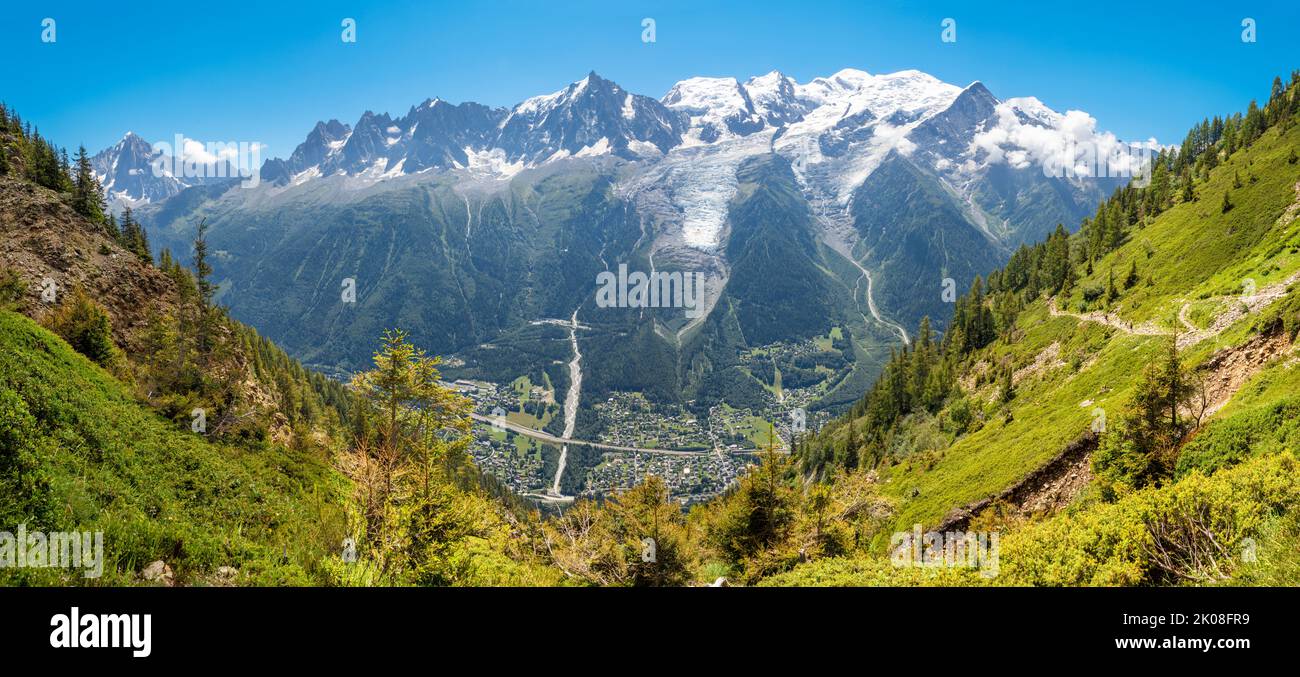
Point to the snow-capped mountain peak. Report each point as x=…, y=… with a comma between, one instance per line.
x=590, y=116
x=716, y=108
x=126, y=173
x=775, y=98
x=719, y=108
x=705, y=94
x=845, y=82
x=849, y=120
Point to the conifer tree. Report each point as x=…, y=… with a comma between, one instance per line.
x=133, y=236
x=206, y=290
x=1007, y=390
x=111, y=227
x=202, y=269
x=87, y=199
x=851, y=448
x=415, y=430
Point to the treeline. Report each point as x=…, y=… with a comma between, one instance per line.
x=1175, y=173
x=194, y=356
x=922, y=377
x=25, y=154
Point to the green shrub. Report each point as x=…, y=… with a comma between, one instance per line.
x=1092, y=292
x=86, y=327
x=11, y=289
x=1118, y=462
x=1275, y=559
x=1225, y=443
x=872, y=572
x=1191, y=531
x=78, y=453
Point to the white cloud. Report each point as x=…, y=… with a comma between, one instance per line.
x=1029, y=133
x=186, y=157
x=212, y=153
x=886, y=136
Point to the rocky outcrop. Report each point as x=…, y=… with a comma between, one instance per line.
x=46, y=242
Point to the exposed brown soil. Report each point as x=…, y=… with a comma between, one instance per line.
x=1228, y=369
x=41, y=238
x=1045, y=490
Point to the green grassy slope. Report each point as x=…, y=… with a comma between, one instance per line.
x=78, y=453
x=1197, y=260
x=1196, y=252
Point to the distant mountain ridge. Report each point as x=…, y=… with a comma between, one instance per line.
x=594, y=116
x=859, y=194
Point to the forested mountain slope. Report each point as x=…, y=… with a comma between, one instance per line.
x=1118, y=406
x=1108, y=400
x=468, y=225
x=200, y=451
x=1115, y=407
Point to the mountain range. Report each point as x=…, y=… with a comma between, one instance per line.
x=847, y=202
x=1070, y=424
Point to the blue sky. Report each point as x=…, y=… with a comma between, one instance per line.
x=265, y=71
